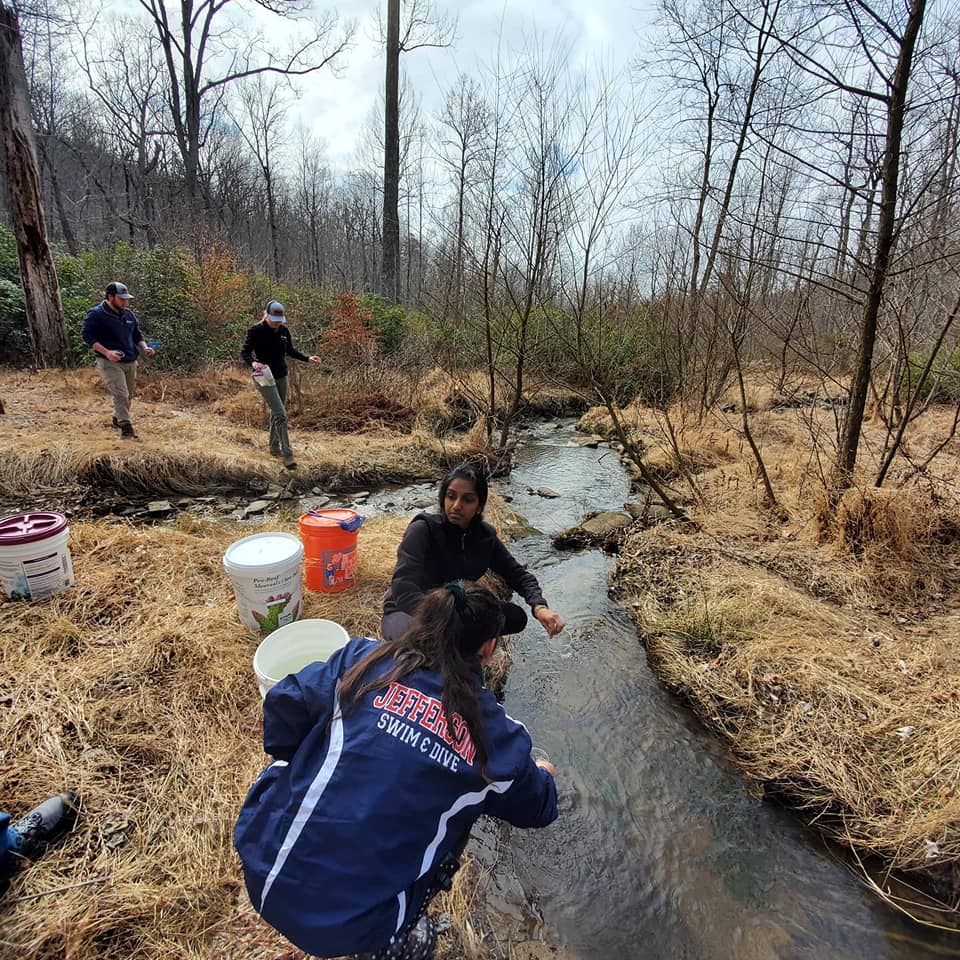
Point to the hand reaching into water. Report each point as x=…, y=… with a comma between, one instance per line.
x=551, y=620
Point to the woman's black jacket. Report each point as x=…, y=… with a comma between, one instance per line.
x=434, y=552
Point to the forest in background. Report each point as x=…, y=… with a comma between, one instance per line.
x=776, y=189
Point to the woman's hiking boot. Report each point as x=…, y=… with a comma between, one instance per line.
x=45, y=824
x=290, y=461
x=418, y=943
x=126, y=430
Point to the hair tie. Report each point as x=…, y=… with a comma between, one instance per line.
x=459, y=595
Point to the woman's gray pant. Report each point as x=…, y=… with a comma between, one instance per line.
x=275, y=396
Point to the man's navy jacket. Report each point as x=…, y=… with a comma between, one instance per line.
x=340, y=836
x=115, y=331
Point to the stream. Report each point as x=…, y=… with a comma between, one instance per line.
x=660, y=849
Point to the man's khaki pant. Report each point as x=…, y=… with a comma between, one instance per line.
x=120, y=379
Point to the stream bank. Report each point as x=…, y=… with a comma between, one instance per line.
x=666, y=850
x=662, y=848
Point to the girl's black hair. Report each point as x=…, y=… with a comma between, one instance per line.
x=450, y=626
x=471, y=472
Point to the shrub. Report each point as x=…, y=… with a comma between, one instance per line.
x=388, y=321
x=77, y=294
x=9, y=258
x=943, y=381
x=349, y=341
x=15, y=344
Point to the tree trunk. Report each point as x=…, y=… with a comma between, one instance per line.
x=69, y=235
x=274, y=228
x=842, y=475
x=38, y=276
x=390, y=266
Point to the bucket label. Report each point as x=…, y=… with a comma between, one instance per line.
x=34, y=578
x=339, y=566
x=265, y=603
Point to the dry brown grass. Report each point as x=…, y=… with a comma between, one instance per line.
x=827, y=660
x=57, y=436
x=136, y=688
x=853, y=718
x=342, y=402
x=209, y=430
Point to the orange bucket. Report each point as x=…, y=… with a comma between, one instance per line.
x=329, y=549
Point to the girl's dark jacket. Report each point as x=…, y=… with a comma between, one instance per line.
x=435, y=551
x=341, y=836
x=271, y=347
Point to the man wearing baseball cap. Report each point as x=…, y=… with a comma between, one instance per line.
x=112, y=332
x=265, y=350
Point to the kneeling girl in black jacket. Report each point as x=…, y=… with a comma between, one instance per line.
x=457, y=544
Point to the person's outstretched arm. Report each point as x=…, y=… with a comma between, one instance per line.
x=292, y=351
x=522, y=581
x=530, y=801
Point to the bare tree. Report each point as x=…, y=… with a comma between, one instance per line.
x=37, y=273
x=463, y=128
x=196, y=42
x=262, y=124
x=313, y=188
x=894, y=100
x=125, y=75
x=422, y=27
x=53, y=106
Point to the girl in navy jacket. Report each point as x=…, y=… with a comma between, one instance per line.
x=384, y=757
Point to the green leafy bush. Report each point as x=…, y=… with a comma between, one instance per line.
x=9, y=259
x=14, y=340
x=15, y=346
x=77, y=294
x=388, y=321
x=942, y=384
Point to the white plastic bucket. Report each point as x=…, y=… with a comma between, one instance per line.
x=34, y=558
x=265, y=572
x=293, y=647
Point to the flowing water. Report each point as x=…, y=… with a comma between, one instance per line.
x=660, y=851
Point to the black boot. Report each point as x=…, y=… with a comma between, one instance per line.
x=45, y=824
x=422, y=939
x=416, y=943
x=127, y=431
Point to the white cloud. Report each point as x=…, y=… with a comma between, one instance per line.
x=337, y=108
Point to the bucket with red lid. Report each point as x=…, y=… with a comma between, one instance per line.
x=34, y=558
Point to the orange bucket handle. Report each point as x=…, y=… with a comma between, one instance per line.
x=350, y=524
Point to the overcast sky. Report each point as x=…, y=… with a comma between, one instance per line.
x=338, y=108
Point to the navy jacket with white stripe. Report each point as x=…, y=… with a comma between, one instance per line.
x=340, y=836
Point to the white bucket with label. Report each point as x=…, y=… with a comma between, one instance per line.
x=34, y=558
x=293, y=647
x=265, y=572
